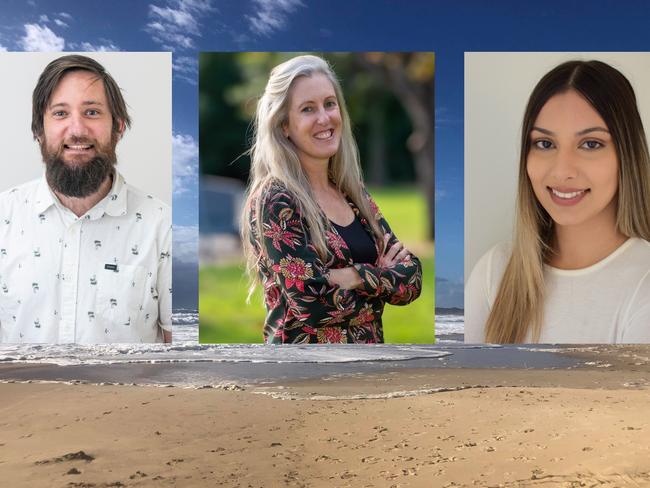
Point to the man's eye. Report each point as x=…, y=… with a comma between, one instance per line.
x=592, y=145
x=92, y=112
x=543, y=144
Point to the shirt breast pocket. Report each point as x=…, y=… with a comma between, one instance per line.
x=120, y=295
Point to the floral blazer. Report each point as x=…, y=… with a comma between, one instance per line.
x=302, y=306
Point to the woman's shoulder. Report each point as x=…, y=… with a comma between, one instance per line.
x=641, y=246
x=636, y=330
x=276, y=201
x=481, y=289
x=639, y=262
x=493, y=263
x=275, y=192
x=488, y=271
x=631, y=259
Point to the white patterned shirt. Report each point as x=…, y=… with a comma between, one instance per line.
x=102, y=277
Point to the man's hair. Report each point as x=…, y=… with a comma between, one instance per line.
x=56, y=70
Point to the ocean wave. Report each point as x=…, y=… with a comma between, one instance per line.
x=73, y=354
x=450, y=328
x=186, y=349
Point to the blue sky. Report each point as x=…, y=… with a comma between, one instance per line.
x=187, y=27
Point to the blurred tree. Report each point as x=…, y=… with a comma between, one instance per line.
x=410, y=78
x=222, y=129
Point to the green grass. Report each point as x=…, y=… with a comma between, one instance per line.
x=225, y=317
x=413, y=323
x=404, y=209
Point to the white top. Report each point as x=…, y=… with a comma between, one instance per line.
x=608, y=302
x=102, y=277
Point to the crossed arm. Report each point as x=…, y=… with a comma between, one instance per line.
x=320, y=294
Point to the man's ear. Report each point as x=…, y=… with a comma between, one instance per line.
x=121, y=127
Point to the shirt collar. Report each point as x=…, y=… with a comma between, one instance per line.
x=113, y=204
x=44, y=196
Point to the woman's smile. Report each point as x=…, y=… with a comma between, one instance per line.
x=568, y=196
x=324, y=135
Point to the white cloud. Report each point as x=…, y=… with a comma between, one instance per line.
x=185, y=157
x=41, y=38
x=60, y=23
x=186, y=68
x=185, y=242
x=271, y=15
x=2, y=48
x=174, y=26
x=106, y=46
x=185, y=64
x=186, y=154
x=168, y=39
x=65, y=15
x=183, y=20
x=43, y=18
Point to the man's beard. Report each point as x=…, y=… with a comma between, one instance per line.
x=79, y=179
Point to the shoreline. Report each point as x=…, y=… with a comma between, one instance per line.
x=465, y=361
x=388, y=425
x=210, y=370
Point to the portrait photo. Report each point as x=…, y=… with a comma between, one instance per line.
x=85, y=198
x=557, y=197
x=316, y=197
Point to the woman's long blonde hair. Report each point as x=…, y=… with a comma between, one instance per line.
x=274, y=160
x=518, y=307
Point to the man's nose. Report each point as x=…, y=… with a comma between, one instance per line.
x=77, y=126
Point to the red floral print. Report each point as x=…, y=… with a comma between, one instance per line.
x=302, y=306
x=336, y=243
x=279, y=235
x=295, y=272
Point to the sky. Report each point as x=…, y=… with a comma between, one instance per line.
x=187, y=27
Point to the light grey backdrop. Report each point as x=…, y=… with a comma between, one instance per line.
x=497, y=87
x=144, y=153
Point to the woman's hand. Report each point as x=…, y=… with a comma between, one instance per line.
x=346, y=278
x=393, y=255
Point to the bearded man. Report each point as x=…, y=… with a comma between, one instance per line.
x=84, y=257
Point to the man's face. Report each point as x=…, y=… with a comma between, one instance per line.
x=78, y=141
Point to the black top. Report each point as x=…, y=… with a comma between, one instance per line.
x=361, y=244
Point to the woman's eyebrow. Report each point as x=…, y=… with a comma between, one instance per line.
x=543, y=131
x=592, y=129
x=579, y=133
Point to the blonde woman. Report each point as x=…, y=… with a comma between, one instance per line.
x=313, y=237
x=578, y=270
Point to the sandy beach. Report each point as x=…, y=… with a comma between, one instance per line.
x=446, y=427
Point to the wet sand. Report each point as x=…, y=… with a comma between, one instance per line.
x=406, y=426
